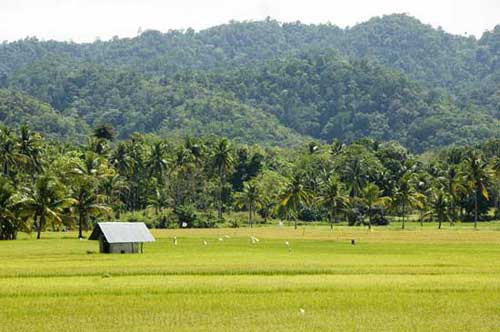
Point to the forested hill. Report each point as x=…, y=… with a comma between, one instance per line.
x=389, y=78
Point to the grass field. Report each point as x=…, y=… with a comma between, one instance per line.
x=391, y=280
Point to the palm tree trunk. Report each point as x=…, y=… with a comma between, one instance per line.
x=221, y=184
x=250, y=215
x=370, y=218
x=80, y=223
x=475, y=209
x=41, y=221
x=403, y=215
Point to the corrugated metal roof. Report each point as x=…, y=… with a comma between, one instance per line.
x=122, y=232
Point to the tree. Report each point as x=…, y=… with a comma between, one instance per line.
x=406, y=196
x=157, y=163
x=332, y=196
x=9, y=155
x=372, y=196
x=223, y=162
x=440, y=205
x=86, y=202
x=45, y=202
x=250, y=198
x=30, y=147
x=476, y=174
x=294, y=196
x=9, y=222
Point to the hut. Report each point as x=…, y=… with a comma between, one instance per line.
x=121, y=237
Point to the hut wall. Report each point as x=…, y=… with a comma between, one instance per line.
x=117, y=248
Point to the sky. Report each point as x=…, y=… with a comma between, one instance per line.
x=86, y=20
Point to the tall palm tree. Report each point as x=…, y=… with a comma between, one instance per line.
x=406, y=196
x=372, y=196
x=9, y=155
x=495, y=166
x=476, y=174
x=440, y=205
x=157, y=163
x=332, y=196
x=249, y=197
x=45, y=202
x=8, y=218
x=222, y=159
x=30, y=147
x=87, y=203
x=294, y=196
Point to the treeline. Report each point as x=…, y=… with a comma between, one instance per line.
x=51, y=184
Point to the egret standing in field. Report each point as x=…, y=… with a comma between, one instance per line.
x=205, y=242
x=175, y=240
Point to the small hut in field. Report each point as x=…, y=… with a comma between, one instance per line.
x=121, y=237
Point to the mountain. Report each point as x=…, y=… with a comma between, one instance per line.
x=391, y=78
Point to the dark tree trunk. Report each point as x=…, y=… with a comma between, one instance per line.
x=221, y=184
x=475, y=209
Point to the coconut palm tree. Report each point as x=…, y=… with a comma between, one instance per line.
x=86, y=202
x=9, y=155
x=222, y=159
x=371, y=195
x=476, y=174
x=45, y=202
x=440, y=205
x=8, y=218
x=294, y=196
x=156, y=162
x=30, y=147
x=406, y=197
x=332, y=196
x=250, y=198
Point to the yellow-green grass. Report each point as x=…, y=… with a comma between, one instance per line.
x=415, y=280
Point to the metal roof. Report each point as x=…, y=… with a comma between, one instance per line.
x=122, y=232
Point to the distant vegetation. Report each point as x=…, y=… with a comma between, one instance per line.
x=197, y=182
x=391, y=78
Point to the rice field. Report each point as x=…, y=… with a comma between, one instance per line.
x=309, y=279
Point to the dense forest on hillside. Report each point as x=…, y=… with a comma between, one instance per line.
x=391, y=78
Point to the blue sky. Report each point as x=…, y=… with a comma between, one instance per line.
x=85, y=20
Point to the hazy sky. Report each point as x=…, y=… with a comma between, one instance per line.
x=84, y=20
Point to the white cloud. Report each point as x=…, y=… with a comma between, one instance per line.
x=84, y=20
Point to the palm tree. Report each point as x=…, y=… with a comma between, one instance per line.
x=249, y=197
x=223, y=161
x=9, y=155
x=372, y=196
x=8, y=218
x=157, y=163
x=495, y=166
x=405, y=196
x=183, y=165
x=87, y=203
x=294, y=196
x=332, y=196
x=30, y=147
x=45, y=202
x=440, y=205
x=476, y=175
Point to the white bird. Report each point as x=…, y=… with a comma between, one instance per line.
x=221, y=239
x=286, y=243
x=302, y=311
x=254, y=239
x=175, y=240
x=226, y=236
x=205, y=242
